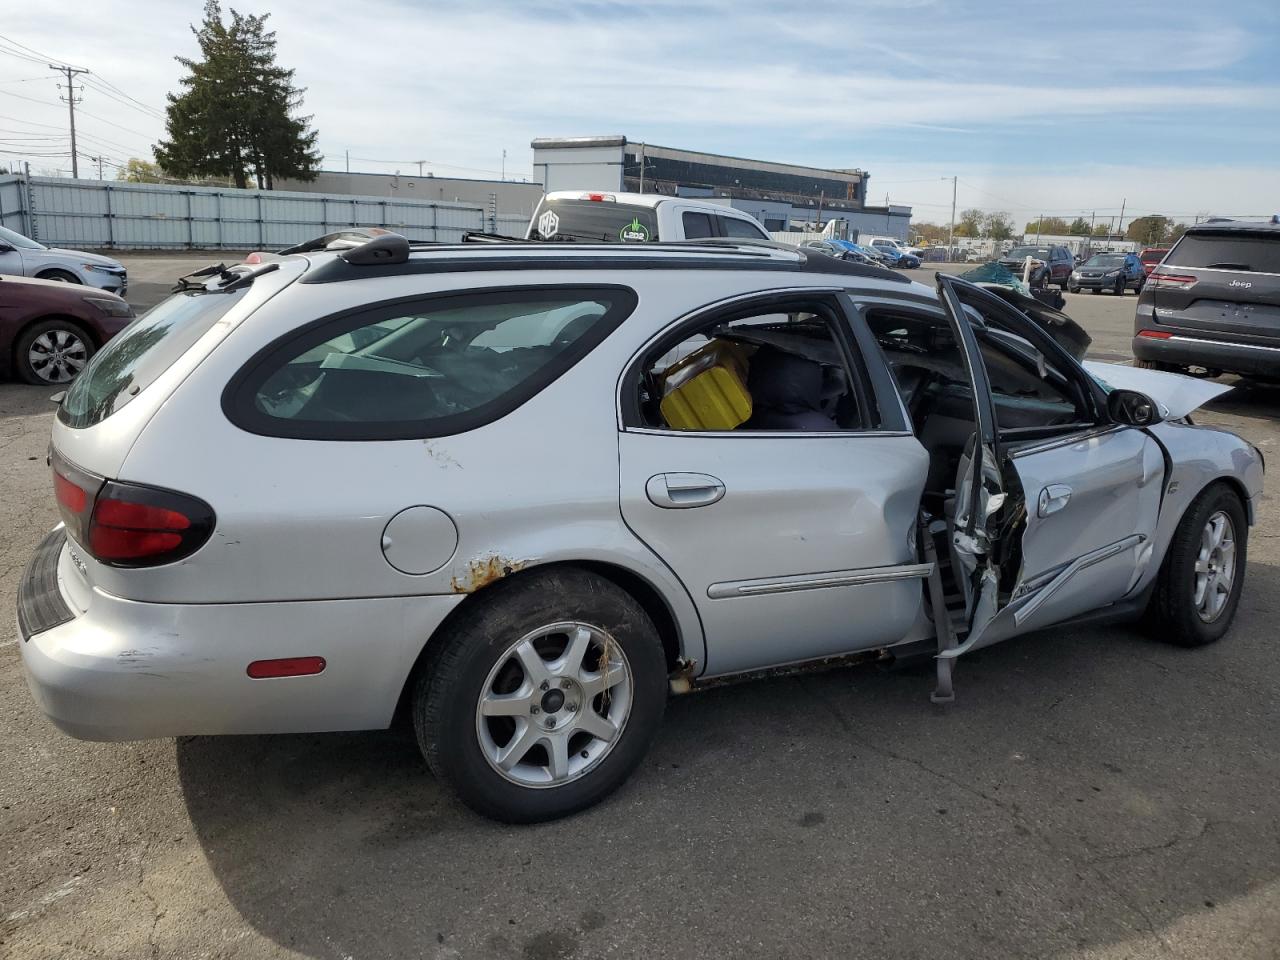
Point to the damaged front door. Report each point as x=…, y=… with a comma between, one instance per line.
x=979, y=491
x=1054, y=518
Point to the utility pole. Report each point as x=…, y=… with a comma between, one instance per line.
x=1039, y=220
x=420, y=163
x=98, y=160
x=642, y=168
x=504, y=165
x=71, y=73
x=1120, y=225
x=348, y=155
x=951, y=233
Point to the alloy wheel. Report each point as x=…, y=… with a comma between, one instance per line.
x=58, y=356
x=554, y=705
x=1215, y=568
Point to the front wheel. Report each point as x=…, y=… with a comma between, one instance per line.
x=52, y=352
x=544, y=696
x=1199, y=584
x=61, y=276
x=1120, y=287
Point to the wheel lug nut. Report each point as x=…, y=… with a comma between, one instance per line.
x=534, y=709
x=544, y=685
x=565, y=684
x=551, y=722
x=572, y=707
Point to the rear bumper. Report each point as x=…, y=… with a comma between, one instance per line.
x=1195, y=350
x=124, y=670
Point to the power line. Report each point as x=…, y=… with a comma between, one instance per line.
x=33, y=51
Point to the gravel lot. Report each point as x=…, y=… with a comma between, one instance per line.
x=1091, y=794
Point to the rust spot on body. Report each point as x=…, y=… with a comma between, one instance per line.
x=480, y=573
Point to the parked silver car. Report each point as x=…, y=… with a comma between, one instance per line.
x=523, y=491
x=23, y=257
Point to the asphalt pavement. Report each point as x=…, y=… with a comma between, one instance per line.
x=1092, y=794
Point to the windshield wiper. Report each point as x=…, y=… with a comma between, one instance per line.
x=1229, y=266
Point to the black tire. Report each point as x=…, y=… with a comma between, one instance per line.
x=22, y=364
x=448, y=689
x=62, y=276
x=1172, y=615
x=1097, y=290
x=1119, y=291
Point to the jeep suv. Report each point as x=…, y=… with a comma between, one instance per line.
x=1214, y=302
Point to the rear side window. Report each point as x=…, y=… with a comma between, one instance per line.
x=1223, y=251
x=733, y=227
x=697, y=225
x=136, y=356
x=426, y=367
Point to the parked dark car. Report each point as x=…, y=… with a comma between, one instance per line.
x=1116, y=272
x=1214, y=302
x=1151, y=258
x=842, y=250
x=1051, y=263
x=50, y=329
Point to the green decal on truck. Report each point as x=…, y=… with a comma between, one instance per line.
x=634, y=232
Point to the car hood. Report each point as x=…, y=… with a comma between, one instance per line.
x=1178, y=394
x=76, y=256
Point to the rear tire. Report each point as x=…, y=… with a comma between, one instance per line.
x=505, y=710
x=1198, y=588
x=1119, y=291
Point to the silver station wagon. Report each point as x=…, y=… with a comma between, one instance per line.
x=521, y=493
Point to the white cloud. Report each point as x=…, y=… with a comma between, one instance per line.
x=873, y=84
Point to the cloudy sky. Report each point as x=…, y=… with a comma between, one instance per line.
x=1058, y=108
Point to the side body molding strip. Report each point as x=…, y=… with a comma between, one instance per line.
x=818, y=581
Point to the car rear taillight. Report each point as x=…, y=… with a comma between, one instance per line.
x=1178, y=281
x=133, y=525
x=128, y=524
x=75, y=491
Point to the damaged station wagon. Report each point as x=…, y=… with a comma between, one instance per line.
x=520, y=493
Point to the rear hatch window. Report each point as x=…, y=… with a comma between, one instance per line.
x=135, y=357
x=1256, y=253
x=593, y=221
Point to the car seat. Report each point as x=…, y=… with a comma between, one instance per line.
x=786, y=392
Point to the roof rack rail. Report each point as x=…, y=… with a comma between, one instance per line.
x=388, y=249
x=219, y=278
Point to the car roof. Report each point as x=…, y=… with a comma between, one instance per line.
x=1236, y=226
x=394, y=256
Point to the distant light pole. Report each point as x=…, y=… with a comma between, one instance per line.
x=951, y=233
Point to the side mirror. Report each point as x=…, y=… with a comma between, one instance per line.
x=1133, y=408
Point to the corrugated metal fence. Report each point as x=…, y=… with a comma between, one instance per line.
x=118, y=215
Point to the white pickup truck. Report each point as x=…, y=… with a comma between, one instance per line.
x=600, y=217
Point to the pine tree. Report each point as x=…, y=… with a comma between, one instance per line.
x=236, y=115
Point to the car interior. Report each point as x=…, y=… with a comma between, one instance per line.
x=777, y=371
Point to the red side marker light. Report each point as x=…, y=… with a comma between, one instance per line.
x=1155, y=334
x=286, y=667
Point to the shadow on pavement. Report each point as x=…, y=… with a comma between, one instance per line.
x=1090, y=787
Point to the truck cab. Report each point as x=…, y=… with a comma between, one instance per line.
x=570, y=216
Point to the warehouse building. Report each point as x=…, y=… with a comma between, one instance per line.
x=782, y=196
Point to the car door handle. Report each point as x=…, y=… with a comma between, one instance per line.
x=1052, y=499
x=678, y=491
